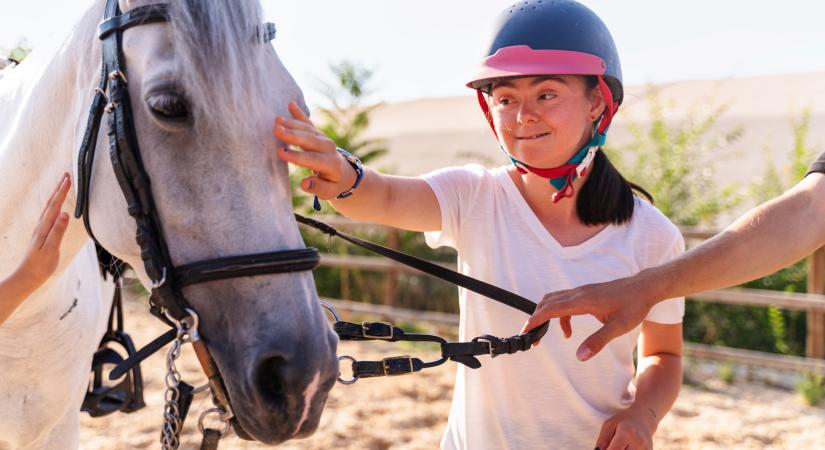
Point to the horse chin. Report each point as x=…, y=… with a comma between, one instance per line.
x=239, y=430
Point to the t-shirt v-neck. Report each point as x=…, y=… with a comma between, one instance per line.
x=530, y=218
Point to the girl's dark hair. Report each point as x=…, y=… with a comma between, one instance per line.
x=606, y=196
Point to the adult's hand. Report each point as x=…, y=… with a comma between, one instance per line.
x=620, y=305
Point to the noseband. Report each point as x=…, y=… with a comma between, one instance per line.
x=167, y=302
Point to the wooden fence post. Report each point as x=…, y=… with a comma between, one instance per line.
x=815, y=345
x=391, y=283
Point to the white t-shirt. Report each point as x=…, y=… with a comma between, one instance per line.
x=543, y=398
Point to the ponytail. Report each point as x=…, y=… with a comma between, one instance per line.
x=607, y=197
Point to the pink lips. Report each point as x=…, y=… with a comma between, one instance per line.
x=535, y=136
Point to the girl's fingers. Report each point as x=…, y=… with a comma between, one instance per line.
x=298, y=114
x=50, y=212
x=55, y=236
x=61, y=189
x=292, y=124
x=308, y=141
x=316, y=162
x=322, y=188
x=606, y=434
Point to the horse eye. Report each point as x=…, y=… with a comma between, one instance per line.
x=168, y=106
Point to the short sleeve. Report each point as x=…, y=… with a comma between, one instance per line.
x=454, y=188
x=670, y=311
x=818, y=165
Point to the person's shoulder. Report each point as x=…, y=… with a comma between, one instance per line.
x=651, y=224
x=465, y=171
x=468, y=175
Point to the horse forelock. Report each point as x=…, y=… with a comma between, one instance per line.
x=220, y=61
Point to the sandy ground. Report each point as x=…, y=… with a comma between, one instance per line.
x=410, y=412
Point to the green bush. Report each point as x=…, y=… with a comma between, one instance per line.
x=812, y=389
x=727, y=373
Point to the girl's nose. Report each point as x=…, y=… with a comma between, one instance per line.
x=526, y=114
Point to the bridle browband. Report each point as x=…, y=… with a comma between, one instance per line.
x=166, y=300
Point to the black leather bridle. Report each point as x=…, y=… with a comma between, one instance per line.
x=166, y=301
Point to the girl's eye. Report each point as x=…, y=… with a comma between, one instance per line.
x=547, y=96
x=503, y=101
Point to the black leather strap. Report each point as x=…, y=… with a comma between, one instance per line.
x=398, y=365
x=368, y=331
x=136, y=16
x=210, y=439
x=460, y=352
x=488, y=290
x=145, y=352
x=247, y=265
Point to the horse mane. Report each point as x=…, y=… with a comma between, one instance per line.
x=220, y=60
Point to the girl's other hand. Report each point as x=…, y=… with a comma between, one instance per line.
x=629, y=429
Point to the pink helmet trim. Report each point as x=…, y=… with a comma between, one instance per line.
x=521, y=60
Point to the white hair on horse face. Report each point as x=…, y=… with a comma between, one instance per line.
x=220, y=57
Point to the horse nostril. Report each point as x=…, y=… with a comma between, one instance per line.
x=270, y=379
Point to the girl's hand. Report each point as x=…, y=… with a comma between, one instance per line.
x=43, y=253
x=630, y=429
x=332, y=174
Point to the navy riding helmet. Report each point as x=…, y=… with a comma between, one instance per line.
x=554, y=37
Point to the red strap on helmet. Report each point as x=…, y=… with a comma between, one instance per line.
x=610, y=106
x=486, y=110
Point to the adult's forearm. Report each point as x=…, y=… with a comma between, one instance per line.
x=764, y=240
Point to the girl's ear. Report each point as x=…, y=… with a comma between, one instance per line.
x=597, y=104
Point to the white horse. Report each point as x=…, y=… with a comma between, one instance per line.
x=204, y=95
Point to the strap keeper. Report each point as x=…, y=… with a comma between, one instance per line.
x=395, y=365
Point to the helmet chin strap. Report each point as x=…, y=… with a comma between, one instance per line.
x=562, y=177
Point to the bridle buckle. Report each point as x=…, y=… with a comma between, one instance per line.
x=365, y=333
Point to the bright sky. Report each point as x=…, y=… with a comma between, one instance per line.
x=426, y=48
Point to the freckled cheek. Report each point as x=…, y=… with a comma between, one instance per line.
x=503, y=123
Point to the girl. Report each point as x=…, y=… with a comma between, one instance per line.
x=559, y=216
x=42, y=256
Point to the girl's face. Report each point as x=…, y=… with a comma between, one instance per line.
x=543, y=121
